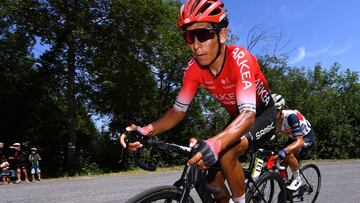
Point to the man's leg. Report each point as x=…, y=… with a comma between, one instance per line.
x=292, y=161
x=39, y=173
x=294, y=165
x=32, y=174
x=7, y=180
x=216, y=179
x=18, y=170
x=25, y=174
x=261, y=131
x=231, y=165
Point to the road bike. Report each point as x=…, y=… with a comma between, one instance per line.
x=309, y=173
x=267, y=187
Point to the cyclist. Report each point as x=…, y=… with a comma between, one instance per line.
x=300, y=137
x=233, y=77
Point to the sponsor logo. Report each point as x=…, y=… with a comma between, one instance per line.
x=229, y=103
x=242, y=62
x=208, y=84
x=225, y=81
x=262, y=91
x=226, y=96
x=264, y=131
x=229, y=86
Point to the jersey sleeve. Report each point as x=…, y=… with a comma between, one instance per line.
x=245, y=77
x=294, y=123
x=187, y=91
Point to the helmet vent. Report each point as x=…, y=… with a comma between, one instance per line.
x=194, y=6
x=215, y=12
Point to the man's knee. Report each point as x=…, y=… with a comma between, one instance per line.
x=290, y=156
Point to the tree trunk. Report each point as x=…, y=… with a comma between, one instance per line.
x=71, y=101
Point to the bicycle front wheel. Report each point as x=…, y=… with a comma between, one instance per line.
x=166, y=194
x=269, y=187
x=311, y=182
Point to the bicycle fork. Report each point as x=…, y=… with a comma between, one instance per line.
x=185, y=184
x=193, y=177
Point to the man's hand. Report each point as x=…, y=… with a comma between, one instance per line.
x=134, y=145
x=144, y=131
x=207, y=153
x=196, y=159
x=281, y=154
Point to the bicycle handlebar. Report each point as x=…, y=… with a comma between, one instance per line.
x=170, y=147
x=148, y=141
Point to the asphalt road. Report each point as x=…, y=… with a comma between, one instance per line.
x=340, y=183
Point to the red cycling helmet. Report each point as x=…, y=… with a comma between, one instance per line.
x=201, y=11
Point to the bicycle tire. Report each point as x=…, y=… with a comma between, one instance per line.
x=276, y=192
x=165, y=193
x=311, y=182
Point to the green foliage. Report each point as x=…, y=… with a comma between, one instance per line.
x=328, y=98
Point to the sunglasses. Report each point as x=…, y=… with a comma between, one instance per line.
x=202, y=34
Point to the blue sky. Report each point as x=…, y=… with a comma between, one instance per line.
x=317, y=30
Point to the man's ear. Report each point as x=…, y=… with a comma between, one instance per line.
x=223, y=35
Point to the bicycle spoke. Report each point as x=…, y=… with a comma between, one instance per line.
x=267, y=190
x=310, y=184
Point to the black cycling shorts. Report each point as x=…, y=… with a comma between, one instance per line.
x=263, y=128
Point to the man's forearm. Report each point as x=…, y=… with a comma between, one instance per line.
x=169, y=120
x=293, y=147
x=238, y=127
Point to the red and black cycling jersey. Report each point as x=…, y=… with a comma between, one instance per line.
x=238, y=86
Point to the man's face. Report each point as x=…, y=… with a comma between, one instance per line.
x=204, y=52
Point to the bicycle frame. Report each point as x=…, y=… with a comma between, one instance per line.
x=190, y=178
x=193, y=177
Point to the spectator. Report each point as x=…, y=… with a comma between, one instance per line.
x=4, y=170
x=10, y=161
x=34, y=158
x=20, y=162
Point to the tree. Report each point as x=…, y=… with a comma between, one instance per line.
x=56, y=23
